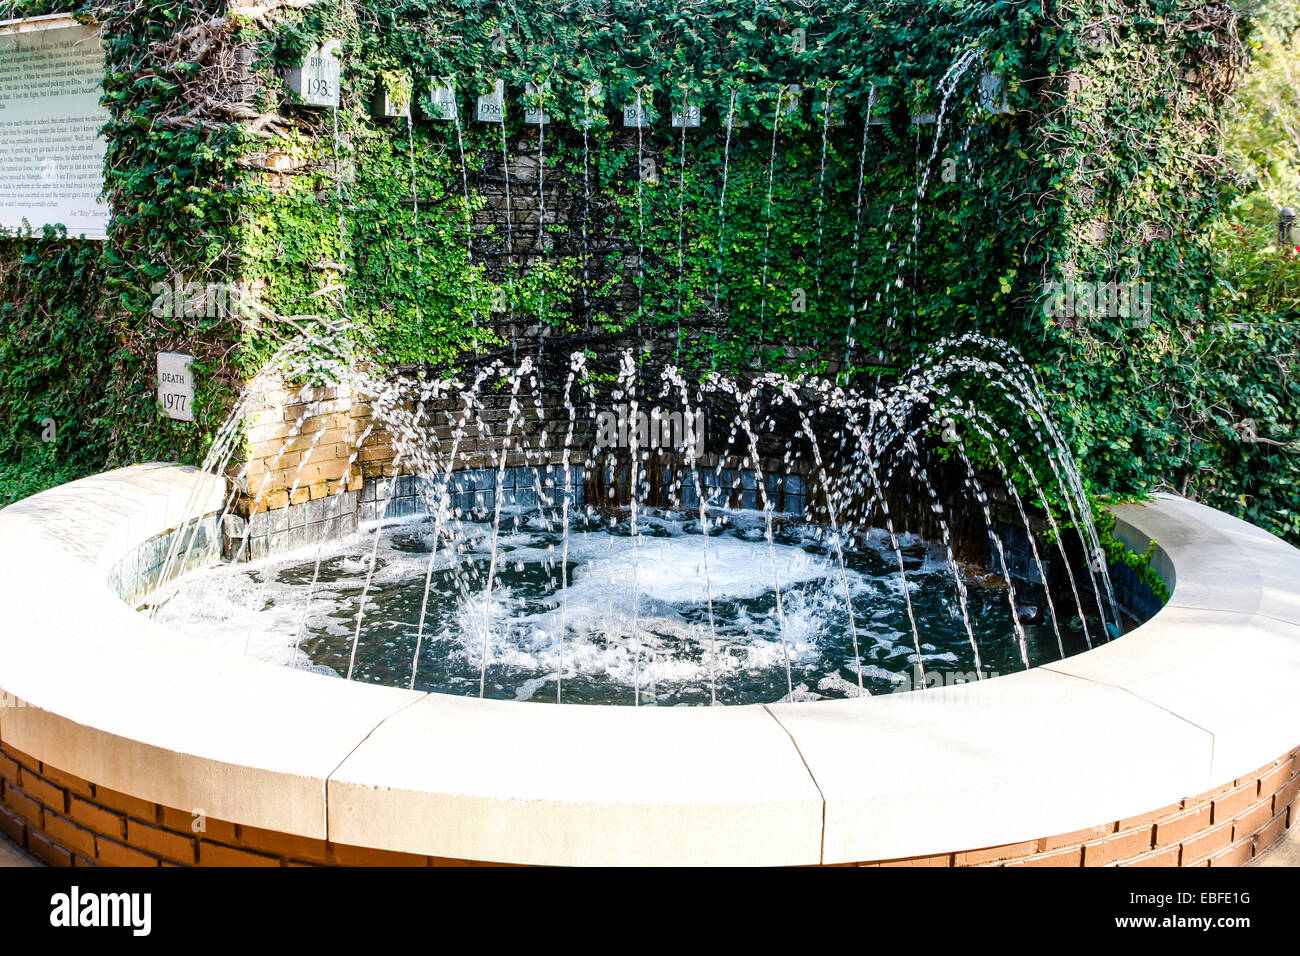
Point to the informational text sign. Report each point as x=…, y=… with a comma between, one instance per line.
x=51, y=151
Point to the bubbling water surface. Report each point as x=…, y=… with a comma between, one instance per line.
x=654, y=641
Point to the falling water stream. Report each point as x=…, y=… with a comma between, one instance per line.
x=506, y=551
x=658, y=600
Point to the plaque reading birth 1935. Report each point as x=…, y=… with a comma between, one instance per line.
x=51, y=151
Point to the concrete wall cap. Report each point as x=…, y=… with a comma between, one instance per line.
x=1200, y=694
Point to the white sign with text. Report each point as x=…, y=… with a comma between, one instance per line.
x=51, y=150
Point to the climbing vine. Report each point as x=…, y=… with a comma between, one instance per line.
x=841, y=249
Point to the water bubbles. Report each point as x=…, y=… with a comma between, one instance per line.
x=878, y=446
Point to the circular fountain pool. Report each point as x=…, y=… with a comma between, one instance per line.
x=1075, y=760
x=668, y=616
x=1070, y=762
x=610, y=530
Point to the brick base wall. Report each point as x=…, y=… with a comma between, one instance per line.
x=1227, y=826
x=66, y=821
x=63, y=820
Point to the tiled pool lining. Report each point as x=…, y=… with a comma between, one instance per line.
x=472, y=494
x=1135, y=598
x=524, y=488
x=140, y=570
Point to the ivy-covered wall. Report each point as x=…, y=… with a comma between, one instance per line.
x=1103, y=170
x=803, y=257
x=78, y=329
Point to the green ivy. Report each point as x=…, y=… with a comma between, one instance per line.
x=1117, y=552
x=1115, y=114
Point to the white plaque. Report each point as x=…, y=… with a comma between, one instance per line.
x=790, y=96
x=392, y=96
x=876, y=109
x=318, y=77
x=688, y=117
x=593, y=100
x=636, y=114
x=51, y=151
x=993, y=95
x=836, y=118
x=441, y=104
x=176, y=385
x=534, y=115
x=492, y=106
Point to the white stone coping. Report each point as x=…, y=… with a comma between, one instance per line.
x=1204, y=692
x=46, y=21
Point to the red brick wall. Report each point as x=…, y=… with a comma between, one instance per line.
x=66, y=821
x=1227, y=826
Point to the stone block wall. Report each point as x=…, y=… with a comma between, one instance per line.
x=307, y=445
x=301, y=445
x=172, y=553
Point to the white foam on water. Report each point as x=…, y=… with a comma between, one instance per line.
x=835, y=682
x=875, y=672
x=632, y=614
x=528, y=688
x=800, y=693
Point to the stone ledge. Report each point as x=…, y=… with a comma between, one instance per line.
x=123, y=707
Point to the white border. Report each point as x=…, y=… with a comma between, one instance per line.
x=44, y=22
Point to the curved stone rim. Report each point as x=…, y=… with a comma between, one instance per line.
x=1199, y=695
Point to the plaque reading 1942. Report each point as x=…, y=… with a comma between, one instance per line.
x=51, y=151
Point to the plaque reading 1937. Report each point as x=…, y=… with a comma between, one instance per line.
x=51, y=151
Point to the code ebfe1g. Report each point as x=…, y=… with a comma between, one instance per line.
x=1213, y=897
x=1183, y=898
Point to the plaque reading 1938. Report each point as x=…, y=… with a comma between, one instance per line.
x=51, y=151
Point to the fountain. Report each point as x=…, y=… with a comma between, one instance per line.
x=746, y=578
x=604, y=550
x=489, y=545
